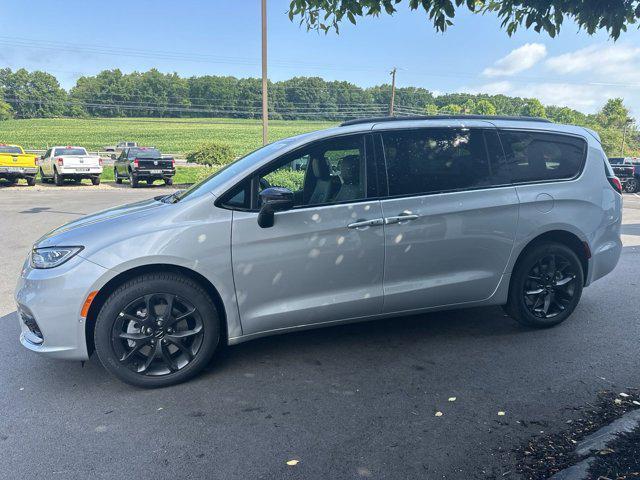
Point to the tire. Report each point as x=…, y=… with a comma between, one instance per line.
x=12, y=181
x=133, y=181
x=530, y=276
x=57, y=179
x=31, y=181
x=117, y=178
x=178, y=357
x=95, y=180
x=43, y=179
x=168, y=181
x=632, y=185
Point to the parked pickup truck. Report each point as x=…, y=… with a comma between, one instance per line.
x=61, y=163
x=143, y=163
x=628, y=171
x=15, y=164
x=119, y=147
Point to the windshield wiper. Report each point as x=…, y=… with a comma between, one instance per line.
x=173, y=198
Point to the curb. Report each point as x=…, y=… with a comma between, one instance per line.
x=598, y=441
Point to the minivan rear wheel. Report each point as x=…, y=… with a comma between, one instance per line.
x=156, y=330
x=546, y=285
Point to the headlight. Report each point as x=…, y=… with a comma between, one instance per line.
x=50, y=257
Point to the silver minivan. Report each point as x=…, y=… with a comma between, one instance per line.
x=374, y=218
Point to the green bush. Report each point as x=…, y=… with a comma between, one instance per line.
x=211, y=154
x=291, y=179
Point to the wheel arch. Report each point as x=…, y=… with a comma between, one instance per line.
x=122, y=277
x=565, y=237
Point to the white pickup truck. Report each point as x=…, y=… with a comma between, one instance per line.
x=61, y=163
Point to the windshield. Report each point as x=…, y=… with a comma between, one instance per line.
x=227, y=172
x=9, y=149
x=70, y=151
x=145, y=153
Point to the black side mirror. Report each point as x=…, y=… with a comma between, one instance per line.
x=274, y=199
x=113, y=156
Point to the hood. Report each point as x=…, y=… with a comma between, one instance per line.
x=121, y=214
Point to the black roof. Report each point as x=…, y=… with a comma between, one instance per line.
x=358, y=121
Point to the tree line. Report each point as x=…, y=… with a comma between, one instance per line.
x=112, y=93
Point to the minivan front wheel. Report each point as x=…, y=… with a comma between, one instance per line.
x=157, y=330
x=546, y=285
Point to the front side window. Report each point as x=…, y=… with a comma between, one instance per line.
x=539, y=156
x=435, y=160
x=329, y=171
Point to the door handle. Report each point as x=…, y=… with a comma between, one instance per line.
x=366, y=223
x=403, y=217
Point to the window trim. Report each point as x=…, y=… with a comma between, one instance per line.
x=253, y=176
x=437, y=192
x=380, y=146
x=583, y=163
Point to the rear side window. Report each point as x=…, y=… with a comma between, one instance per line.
x=435, y=160
x=539, y=156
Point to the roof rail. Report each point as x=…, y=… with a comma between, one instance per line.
x=358, y=121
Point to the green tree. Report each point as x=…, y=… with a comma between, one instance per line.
x=469, y=106
x=533, y=108
x=614, y=114
x=485, y=107
x=452, y=109
x=33, y=94
x=591, y=15
x=6, y=112
x=566, y=115
x=431, y=109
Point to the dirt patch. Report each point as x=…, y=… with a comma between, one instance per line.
x=546, y=455
x=621, y=461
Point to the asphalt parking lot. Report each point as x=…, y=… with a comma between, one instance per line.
x=354, y=401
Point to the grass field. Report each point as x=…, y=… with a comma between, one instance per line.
x=179, y=135
x=183, y=175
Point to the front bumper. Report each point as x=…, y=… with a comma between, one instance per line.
x=54, y=298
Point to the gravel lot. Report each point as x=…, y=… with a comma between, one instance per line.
x=355, y=401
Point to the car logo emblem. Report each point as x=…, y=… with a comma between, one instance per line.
x=15, y=159
x=155, y=162
x=81, y=161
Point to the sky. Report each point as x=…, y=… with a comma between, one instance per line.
x=221, y=37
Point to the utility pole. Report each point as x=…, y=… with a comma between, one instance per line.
x=393, y=91
x=624, y=135
x=265, y=107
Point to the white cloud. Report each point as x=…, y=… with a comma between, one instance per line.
x=518, y=60
x=619, y=63
x=586, y=98
x=602, y=60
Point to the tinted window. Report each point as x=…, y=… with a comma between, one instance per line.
x=144, y=153
x=9, y=149
x=435, y=160
x=70, y=151
x=329, y=171
x=535, y=156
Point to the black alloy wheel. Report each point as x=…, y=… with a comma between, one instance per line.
x=546, y=285
x=157, y=329
x=157, y=334
x=550, y=286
